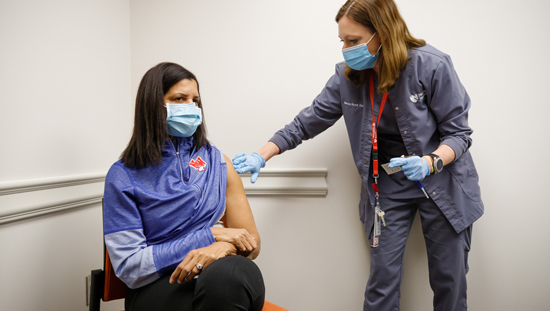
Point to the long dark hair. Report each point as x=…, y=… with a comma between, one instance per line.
x=149, y=136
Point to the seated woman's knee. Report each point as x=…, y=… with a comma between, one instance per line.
x=233, y=270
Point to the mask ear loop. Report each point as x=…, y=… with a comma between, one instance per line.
x=362, y=44
x=168, y=114
x=371, y=38
x=370, y=41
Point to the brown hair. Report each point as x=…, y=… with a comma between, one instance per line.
x=382, y=17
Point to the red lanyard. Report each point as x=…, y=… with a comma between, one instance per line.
x=375, y=130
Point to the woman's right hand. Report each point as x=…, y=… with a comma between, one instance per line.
x=240, y=238
x=244, y=163
x=189, y=267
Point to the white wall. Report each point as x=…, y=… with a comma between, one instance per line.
x=64, y=86
x=65, y=109
x=69, y=73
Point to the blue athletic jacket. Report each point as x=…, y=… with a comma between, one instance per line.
x=154, y=216
x=431, y=108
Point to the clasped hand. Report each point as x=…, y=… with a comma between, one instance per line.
x=229, y=241
x=187, y=269
x=240, y=238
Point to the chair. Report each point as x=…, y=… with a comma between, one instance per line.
x=106, y=286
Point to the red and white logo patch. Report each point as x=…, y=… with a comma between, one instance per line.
x=198, y=164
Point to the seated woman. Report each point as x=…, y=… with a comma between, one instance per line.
x=163, y=199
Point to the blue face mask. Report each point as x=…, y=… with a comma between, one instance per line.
x=358, y=57
x=183, y=119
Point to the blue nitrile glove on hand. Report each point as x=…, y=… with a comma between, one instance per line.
x=415, y=168
x=249, y=163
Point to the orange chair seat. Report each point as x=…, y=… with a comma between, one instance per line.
x=268, y=306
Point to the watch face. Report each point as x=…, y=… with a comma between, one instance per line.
x=439, y=164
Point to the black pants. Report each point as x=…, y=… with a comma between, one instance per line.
x=229, y=283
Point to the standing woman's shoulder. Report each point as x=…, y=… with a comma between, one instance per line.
x=426, y=61
x=431, y=74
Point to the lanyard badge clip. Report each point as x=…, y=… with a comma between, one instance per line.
x=378, y=212
x=378, y=218
x=375, y=164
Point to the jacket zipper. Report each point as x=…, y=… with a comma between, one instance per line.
x=179, y=161
x=198, y=188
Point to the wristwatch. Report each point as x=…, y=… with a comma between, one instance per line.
x=437, y=163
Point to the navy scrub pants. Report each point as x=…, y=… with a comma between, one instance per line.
x=447, y=256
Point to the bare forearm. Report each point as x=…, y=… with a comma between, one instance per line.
x=269, y=150
x=446, y=154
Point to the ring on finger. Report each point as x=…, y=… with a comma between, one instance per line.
x=199, y=266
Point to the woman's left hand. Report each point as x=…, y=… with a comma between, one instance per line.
x=236, y=236
x=415, y=168
x=201, y=257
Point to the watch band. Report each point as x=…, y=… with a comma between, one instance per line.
x=430, y=162
x=437, y=163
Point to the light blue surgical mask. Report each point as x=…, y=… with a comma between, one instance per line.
x=182, y=120
x=358, y=57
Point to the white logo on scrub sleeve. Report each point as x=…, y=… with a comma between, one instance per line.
x=418, y=97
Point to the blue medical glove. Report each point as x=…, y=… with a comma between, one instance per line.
x=414, y=167
x=249, y=163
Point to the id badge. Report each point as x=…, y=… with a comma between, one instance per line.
x=391, y=170
x=376, y=233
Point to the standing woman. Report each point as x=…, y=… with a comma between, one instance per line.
x=399, y=97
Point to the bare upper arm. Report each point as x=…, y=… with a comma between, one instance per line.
x=237, y=212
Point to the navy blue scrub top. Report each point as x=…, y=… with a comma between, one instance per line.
x=391, y=145
x=430, y=106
